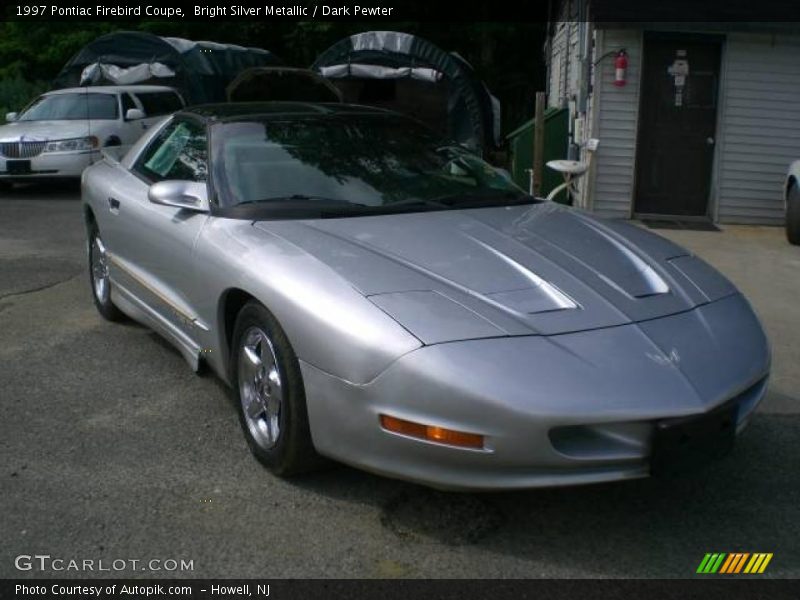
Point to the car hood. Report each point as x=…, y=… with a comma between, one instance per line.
x=43, y=130
x=535, y=269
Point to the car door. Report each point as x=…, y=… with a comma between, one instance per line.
x=130, y=130
x=154, y=244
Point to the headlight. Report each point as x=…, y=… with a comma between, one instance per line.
x=72, y=144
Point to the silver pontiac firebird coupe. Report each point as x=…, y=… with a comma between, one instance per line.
x=379, y=296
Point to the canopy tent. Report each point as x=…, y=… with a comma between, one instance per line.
x=199, y=70
x=406, y=73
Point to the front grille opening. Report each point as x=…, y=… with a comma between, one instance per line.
x=21, y=149
x=749, y=398
x=603, y=442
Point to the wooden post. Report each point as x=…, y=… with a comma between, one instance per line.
x=538, y=144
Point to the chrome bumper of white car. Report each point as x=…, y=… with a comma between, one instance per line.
x=47, y=165
x=553, y=411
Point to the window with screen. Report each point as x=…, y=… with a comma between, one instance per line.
x=177, y=152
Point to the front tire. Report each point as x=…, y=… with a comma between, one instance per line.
x=269, y=393
x=793, y=215
x=99, y=278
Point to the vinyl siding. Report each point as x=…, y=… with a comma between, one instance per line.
x=563, y=61
x=617, y=112
x=759, y=126
x=557, y=62
x=758, y=121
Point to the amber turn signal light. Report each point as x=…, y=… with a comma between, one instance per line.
x=431, y=433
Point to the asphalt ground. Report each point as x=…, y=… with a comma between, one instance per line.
x=111, y=448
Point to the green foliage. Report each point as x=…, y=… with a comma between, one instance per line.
x=38, y=51
x=16, y=92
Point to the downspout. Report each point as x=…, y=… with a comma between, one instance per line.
x=548, y=50
x=581, y=104
x=577, y=99
x=586, y=62
x=564, y=91
x=595, y=75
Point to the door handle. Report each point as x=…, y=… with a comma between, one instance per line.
x=710, y=141
x=113, y=205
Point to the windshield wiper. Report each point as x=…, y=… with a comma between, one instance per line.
x=301, y=206
x=477, y=199
x=301, y=198
x=451, y=201
x=416, y=203
x=401, y=206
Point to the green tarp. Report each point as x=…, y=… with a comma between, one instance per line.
x=200, y=70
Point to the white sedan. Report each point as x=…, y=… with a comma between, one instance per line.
x=61, y=132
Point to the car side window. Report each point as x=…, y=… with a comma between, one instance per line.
x=179, y=151
x=156, y=104
x=127, y=103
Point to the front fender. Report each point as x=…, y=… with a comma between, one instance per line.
x=329, y=324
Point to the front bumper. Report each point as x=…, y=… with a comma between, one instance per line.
x=50, y=165
x=560, y=410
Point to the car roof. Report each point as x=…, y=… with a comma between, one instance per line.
x=236, y=111
x=110, y=89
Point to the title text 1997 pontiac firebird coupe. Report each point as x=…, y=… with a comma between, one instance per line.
x=384, y=298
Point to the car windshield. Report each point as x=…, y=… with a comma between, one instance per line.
x=354, y=165
x=71, y=107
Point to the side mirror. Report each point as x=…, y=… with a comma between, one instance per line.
x=189, y=195
x=12, y=116
x=134, y=114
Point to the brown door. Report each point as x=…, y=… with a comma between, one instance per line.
x=677, y=124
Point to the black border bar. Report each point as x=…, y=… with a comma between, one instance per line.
x=709, y=587
x=786, y=12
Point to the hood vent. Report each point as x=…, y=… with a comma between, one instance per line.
x=544, y=297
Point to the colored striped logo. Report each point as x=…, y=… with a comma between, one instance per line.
x=733, y=563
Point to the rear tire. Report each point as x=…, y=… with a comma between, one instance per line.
x=269, y=394
x=5, y=186
x=793, y=214
x=99, y=279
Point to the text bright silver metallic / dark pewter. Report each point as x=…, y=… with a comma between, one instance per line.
x=564, y=341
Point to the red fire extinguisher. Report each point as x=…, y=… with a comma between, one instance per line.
x=620, y=68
